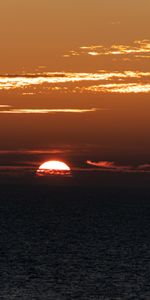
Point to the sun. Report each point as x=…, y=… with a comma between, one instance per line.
x=53, y=167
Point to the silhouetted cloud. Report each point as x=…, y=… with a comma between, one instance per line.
x=114, y=167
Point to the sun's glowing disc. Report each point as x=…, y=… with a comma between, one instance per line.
x=53, y=167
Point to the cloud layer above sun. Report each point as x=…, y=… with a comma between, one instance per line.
x=137, y=49
x=129, y=75
x=10, y=110
x=100, y=82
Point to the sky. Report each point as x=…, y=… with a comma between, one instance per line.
x=75, y=85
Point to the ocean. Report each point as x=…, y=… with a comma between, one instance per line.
x=67, y=243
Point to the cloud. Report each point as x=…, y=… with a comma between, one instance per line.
x=18, y=172
x=35, y=151
x=14, y=168
x=114, y=167
x=47, y=111
x=139, y=47
x=4, y=106
x=121, y=88
x=10, y=82
x=102, y=81
x=29, y=167
x=103, y=164
x=145, y=167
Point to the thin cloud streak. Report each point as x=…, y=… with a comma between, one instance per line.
x=125, y=88
x=15, y=168
x=114, y=167
x=47, y=111
x=34, y=152
x=4, y=106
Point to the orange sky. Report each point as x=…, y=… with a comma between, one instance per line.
x=76, y=75
x=35, y=33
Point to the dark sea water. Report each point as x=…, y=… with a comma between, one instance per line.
x=74, y=243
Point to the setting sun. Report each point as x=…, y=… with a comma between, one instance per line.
x=53, y=167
